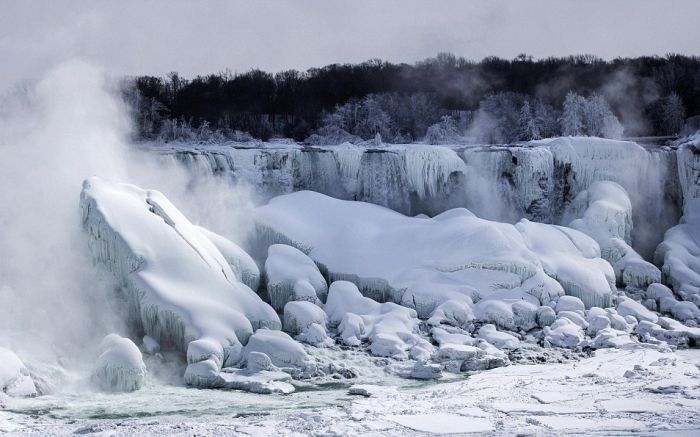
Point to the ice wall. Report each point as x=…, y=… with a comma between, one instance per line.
x=534, y=180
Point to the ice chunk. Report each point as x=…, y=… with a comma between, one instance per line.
x=177, y=284
x=685, y=311
x=291, y=275
x=120, y=367
x=453, y=312
x=150, y=345
x=546, y=316
x=15, y=379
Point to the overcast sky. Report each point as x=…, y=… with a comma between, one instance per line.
x=191, y=37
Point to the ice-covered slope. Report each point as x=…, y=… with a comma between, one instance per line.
x=423, y=262
x=177, y=284
x=534, y=180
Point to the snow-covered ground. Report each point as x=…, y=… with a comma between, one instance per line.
x=612, y=392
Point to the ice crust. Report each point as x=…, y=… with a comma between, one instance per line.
x=177, y=285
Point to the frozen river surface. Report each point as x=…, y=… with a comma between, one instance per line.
x=615, y=392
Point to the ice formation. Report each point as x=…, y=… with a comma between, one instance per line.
x=177, y=285
x=292, y=276
x=535, y=180
x=307, y=322
x=604, y=213
x=120, y=366
x=15, y=379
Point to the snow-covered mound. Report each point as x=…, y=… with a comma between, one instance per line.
x=15, y=379
x=604, y=212
x=421, y=262
x=291, y=276
x=178, y=286
x=120, y=366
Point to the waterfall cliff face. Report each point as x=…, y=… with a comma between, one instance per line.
x=535, y=180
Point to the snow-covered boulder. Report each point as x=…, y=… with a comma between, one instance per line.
x=307, y=322
x=291, y=275
x=15, y=379
x=563, y=333
x=178, y=286
x=685, y=311
x=453, y=312
x=417, y=262
x=390, y=329
x=629, y=307
x=283, y=351
x=120, y=366
x=545, y=316
x=242, y=264
x=573, y=259
x=569, y=303
x=502, y=340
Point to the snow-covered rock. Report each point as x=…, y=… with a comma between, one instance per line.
x=569, y=303
x=178, y=286
x=15, y=379
x=629, y=307
x=282, y=350
x=120, y=366
x=563, y=333
x=501, y=340
x=291, y=275
x=453, y=312
x=390, y=329
x=307, y=322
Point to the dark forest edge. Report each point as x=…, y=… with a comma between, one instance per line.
x=445, y=99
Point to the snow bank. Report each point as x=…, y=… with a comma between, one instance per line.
x=291, y=275
x=15, y=379
x=120, y=366
x=177, y=284
x=417, y=262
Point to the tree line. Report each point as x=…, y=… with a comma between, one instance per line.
x=440, y=99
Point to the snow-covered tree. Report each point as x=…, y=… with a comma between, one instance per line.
x=572, y=115
x=443, y=132
x=527, y=126
x=672, y=113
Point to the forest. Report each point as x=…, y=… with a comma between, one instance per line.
x=443, y=99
